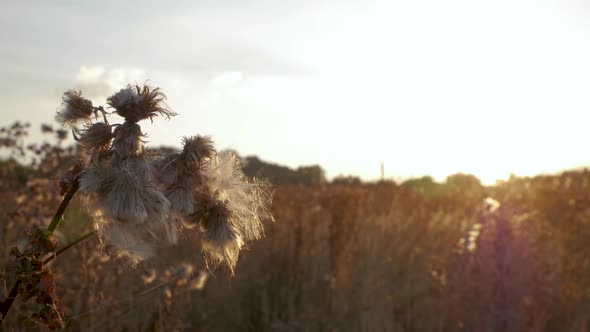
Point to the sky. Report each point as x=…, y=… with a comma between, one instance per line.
x=427, y=87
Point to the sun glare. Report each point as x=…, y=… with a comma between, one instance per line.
x=440, y=89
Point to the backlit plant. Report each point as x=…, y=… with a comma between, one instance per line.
x=140, y=199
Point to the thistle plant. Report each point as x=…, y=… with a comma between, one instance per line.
x=140, y=199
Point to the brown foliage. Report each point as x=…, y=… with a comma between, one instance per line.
x=362, y=257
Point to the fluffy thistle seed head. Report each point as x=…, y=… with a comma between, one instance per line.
x=181, y=197
x=247, y=200
x=165, y=170
x=75, y=108
x=132, y=217
x=128, y=142
x=126, y=240
x=196, y=150
x=132, y=200
x=229, y=209
x=132, y=214
x=96, y=179
x=222, y=240
x=180, y=174
x=137, y=165
x=136, y=103
x=96, y=137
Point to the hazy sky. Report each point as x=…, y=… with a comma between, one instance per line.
x=427, y=86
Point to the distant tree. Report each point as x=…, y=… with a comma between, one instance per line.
x=311, y=175
x=282, y=175
x=276, y=174
x=463, y=181
x=465, y=187
x=424, y=185
x=347, y=180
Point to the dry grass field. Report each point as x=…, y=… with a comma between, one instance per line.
x=339, y=257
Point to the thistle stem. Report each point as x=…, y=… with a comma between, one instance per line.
x=62, y=207
x=9, y=300
x=69, y=245
x=5, y=306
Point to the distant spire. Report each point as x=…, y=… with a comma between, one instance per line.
x=382, y=171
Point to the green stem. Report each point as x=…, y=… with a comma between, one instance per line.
x=62, y=207
x=69, y=245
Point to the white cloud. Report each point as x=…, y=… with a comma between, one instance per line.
x=92, y=73
x=100, y=82
x=227, y=78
